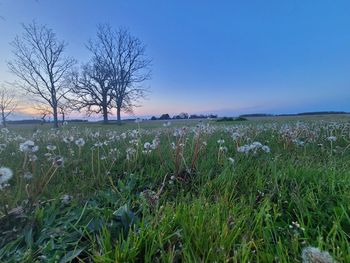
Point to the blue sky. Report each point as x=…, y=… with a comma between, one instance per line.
x=226, y=57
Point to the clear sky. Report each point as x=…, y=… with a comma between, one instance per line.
x=225, y=57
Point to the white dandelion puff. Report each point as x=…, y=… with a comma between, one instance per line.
x=315, y=255
x=5, y=174
x=80, y=142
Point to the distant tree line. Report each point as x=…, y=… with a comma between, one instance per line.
x=184, y=116
x=113, y=77
x=294, y=114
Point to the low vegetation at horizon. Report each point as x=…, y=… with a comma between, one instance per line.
x=176, y=191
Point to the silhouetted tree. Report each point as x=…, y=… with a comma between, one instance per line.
x=129, y=67
x=7, y=104
x=91, y=89
x=40, y=65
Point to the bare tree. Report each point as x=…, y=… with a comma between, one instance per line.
x=40, y=65
x=7, y=104
x=91, y=89
x=128, y=65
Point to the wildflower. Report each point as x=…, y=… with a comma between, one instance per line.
x=5, y=174
x=147, y=146
x=80, y=142
x=68, y=139
x=243, y=149
x=58, y=161
x=221, y=141
x=256, y=145
x=265, y=148
x=66, y=199
x=155, y=143
x=28, y=175
x=5, y=130
x=130, y=153
x=332, y=138
x=51, y=147
x=223, y=149
x=28, y=146
x=235, y=136
x=315, y=255
x=98, y=144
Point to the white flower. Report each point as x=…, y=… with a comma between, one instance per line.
x=231, y=160
x=5, y=174
x=28, y=175
x=51, y=147
x=223, y=149
x=147, y=146
x=243, y=149
x=256, y=145
x=80, y=142
x=221, y=141
x=28, y=146
x=66, y=199
x=315, y=255
x=266, y=148
x=98, y=144
x=235, y=136
x=58, y=161
x=5, y=130
x=68, y=139
x=332, y=138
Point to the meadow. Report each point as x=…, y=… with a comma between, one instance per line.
x=178, y=191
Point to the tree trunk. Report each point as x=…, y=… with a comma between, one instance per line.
x=63, y=117
x=55, y=117
x=105, y=115
x=118, y=115
x=3, y=118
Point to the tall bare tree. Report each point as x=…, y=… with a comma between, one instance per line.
x=40, y=65
x=128, y=65
x=7, y=104
x=91, y=89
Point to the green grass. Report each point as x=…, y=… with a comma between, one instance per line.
x=188, y=204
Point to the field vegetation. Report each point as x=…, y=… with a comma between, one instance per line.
x=179, y=191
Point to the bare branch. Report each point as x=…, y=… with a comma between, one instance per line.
x=40, y=65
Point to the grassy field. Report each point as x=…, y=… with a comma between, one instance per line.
x=185, y=191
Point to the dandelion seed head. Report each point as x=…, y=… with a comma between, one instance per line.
x=5, y=174
x=315, y=255
x=80, y=142
x=58, y=161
